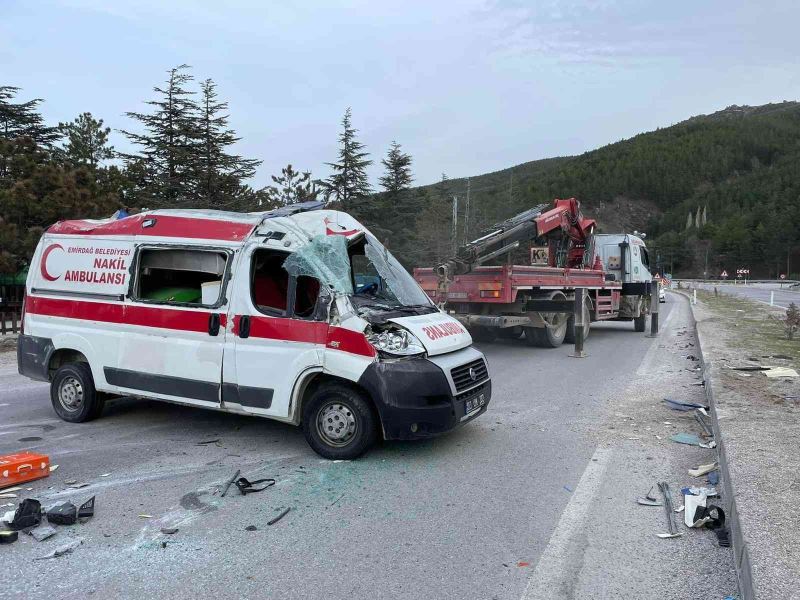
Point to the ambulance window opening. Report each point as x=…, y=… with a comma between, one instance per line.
x=269, y=282
x=181, y=276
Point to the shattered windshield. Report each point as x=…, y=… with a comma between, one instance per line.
x=365, y=271
x=380, y=278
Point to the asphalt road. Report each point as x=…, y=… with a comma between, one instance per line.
x=535, y=499
x=758, y=292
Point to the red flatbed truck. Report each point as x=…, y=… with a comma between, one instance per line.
x=507, y=300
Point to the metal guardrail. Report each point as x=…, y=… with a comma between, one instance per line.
x=10, y=322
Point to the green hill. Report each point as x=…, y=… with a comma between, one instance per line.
x=736, y=171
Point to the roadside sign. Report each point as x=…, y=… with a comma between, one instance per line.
x=723, y=274
x=783, y=275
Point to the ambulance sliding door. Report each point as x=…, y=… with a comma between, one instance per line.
x=174, y=325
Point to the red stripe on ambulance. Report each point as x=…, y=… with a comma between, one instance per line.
x=162, y=226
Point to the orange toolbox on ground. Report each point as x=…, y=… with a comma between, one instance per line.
x=21, y=467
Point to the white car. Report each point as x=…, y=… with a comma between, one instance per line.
x=662, y=295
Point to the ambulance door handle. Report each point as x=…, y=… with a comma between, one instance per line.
x=213, y=324
x=244, y=326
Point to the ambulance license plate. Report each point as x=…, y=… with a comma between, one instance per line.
x=473, y=404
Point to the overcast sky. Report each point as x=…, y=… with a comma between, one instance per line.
x=466, y=87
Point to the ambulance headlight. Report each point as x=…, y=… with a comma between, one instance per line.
x=396, y=342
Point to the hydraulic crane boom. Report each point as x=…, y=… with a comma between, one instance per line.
x=568, y=233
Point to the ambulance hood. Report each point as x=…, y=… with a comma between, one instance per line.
x=438, y=332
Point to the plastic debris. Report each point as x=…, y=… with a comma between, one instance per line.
x=780, y=372
x=169, y=530
x=78, y=486
x=65, y=513
x=703, y=470
x=279, y=517
x=143, y=516
x=105, y=474
x=8, y=495
x=713, y=477
x=8, y=536
x=53, y=468
x=692, y=503
x=686, y=438
x=42, y=532
x=86, y=509
x=62, y=550
x=683, y=406
x=28, y=514
x=708, y=445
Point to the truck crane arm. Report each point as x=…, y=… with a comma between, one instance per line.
x=569, y=235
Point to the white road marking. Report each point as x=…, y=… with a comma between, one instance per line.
x=549, y=580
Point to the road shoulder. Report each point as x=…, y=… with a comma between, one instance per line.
x=755, y=421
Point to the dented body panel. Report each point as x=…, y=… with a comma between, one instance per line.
x=172, y=305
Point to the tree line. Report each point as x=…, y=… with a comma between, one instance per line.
x=181, y=157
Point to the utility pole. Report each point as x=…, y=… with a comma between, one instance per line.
x=455, y=224
x=466, y=215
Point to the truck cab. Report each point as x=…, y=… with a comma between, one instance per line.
x=297, y=315
x=625, y=257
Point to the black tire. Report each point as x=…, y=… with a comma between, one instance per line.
x=73, y=394
x=569, y=336
x=640, y=323
x=342, y=404
x=483, y=334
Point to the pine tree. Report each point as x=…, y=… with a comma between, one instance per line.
x=23, y=119
x=86, y=141
x=398, y=170
x=219, y=174
x=293, y=187
x=689, y=221
x=349, y=179
x=169, y=144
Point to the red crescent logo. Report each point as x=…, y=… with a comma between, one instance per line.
x=45, y=254
x=329, y=231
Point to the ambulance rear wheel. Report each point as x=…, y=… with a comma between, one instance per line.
x=73, y=394
x=339, y=422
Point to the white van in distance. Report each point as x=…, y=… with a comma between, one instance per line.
x=298, y=315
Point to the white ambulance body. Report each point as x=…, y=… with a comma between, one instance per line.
x=298, y=315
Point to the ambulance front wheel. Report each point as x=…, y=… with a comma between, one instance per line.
x=339, y=422
x=73, y=395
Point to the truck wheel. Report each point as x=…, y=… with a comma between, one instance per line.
x=640, y=323
x=73, y=395
x=569, y=336
x=339, y=422
x=546, y=337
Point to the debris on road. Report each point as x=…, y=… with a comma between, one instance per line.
x=203, y=443
x=86, y=510
x=683, y=406
x=105, y=474
x=710, y=445
x=279, y=517
x=230, y=483
x=53, y=468
x=70, y=481
x=251, y=528
x=648, y=499
x=672, y=527
x=77, y=486
x=703, y=470
x=690, y=516
x=62, y=550
x=65, y=513
x=8, y=536
x=713, y=478
x=144, y=516
x=169, y=530
x=780, y=372
x=686, y=438
x=28, y=514
x=42, y=532
x=248, y=487
x=8, y=495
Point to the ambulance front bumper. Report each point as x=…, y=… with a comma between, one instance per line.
x=417, y=398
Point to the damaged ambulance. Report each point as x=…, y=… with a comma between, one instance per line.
x=298, y=315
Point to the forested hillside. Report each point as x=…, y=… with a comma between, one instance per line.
x=724, y=186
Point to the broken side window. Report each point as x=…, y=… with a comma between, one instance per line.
x=325, y=259
x=180, y=276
